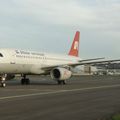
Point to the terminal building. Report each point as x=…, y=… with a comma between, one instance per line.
x=109, y=69
x=100, y=69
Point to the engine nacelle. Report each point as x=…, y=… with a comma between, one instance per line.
x=60, y=74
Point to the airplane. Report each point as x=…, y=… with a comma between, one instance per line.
x=59, y=67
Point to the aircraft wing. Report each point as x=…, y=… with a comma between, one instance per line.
x=48, y=68
x=85, y=60
x=94, y=62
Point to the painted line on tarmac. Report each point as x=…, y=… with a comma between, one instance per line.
x=59, y=91
x=46, y=90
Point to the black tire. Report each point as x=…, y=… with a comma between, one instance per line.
x=59, y=82
x=3, y=84
x=64, y=82
x=22, y=81
x=27, y=81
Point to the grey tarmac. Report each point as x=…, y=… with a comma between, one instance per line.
x=82, y=98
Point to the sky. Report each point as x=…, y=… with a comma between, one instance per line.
x=50, y=26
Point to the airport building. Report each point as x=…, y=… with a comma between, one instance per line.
x=100, y=69
x=108, y=69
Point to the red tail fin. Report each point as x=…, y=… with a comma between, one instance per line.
x=74, y=51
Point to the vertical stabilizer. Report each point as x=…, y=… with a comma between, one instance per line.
x=74, y=51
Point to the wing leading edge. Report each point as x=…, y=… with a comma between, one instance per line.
x=47, y=68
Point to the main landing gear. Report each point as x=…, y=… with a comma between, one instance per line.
x=25, y=81
x=61, y=82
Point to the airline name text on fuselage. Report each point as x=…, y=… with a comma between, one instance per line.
x=28, y=53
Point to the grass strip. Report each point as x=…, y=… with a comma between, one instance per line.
x=116, y=117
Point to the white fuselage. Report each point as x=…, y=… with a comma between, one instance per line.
x=30, y=62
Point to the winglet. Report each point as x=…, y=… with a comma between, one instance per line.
x=74, y=51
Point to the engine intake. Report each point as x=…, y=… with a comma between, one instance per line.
x=60, y=74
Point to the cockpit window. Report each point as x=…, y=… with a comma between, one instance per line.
x=1, y=55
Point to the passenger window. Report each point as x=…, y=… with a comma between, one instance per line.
x=1, y=55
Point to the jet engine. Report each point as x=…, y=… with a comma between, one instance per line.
x=60, y=74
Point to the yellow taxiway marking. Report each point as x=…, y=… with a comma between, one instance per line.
x=59, y=91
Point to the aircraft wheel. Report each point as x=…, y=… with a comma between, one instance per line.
x=27, y=81
x=3, y=84
x=64, y=82
x=22, y=81
x=59, y=82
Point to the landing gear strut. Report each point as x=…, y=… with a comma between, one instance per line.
x=25, y=81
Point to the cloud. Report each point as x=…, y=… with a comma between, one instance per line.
x=38, y=21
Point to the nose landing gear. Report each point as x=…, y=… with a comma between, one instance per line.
x=3, y=80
